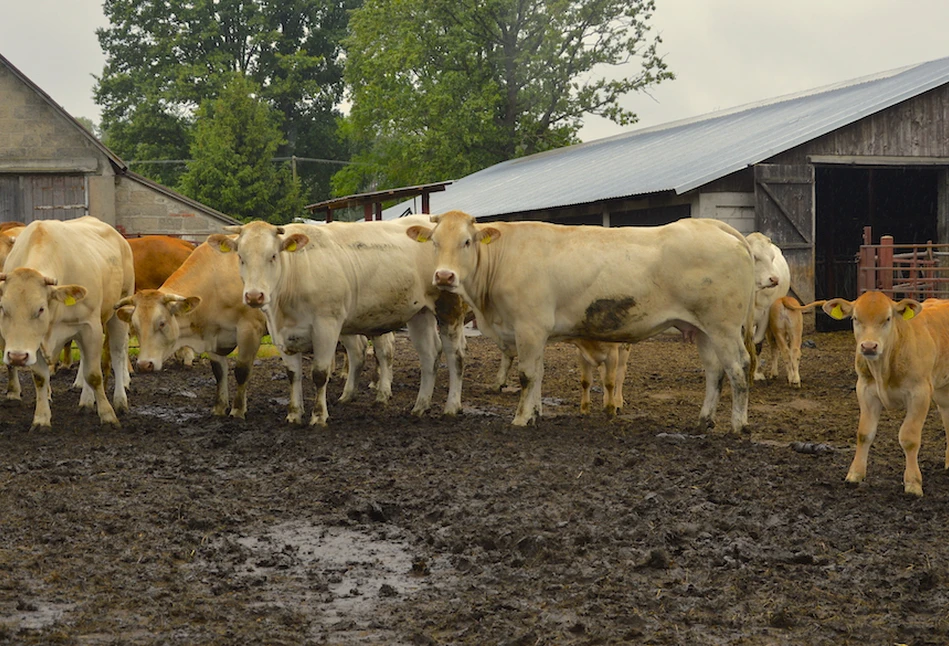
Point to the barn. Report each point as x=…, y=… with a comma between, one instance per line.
x=51, y=167
x=811, y=170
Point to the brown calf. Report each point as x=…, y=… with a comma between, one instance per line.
x=902, y=361
x=785, y=329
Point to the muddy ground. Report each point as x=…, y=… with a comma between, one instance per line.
x=182, y=528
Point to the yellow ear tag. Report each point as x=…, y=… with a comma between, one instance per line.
x=908, y=313
x=69, y=300
x=226, y=248
x=422, y=237
x=292, y=246
x=837, y=313
x=486, y=239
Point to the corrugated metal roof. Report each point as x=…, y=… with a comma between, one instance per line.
x=681, y=155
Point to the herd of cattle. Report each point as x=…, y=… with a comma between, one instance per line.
x=526, y=283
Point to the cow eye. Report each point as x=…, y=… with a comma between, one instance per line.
x=39, y=312
x=468, y=242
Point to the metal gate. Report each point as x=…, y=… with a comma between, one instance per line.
x=784, y=211
x=917, y=271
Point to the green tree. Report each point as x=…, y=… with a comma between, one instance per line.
x=442, y=88
x=235, y=139
x=166, y=57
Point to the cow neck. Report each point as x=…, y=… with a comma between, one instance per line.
x=478, y=286
x=882, y=370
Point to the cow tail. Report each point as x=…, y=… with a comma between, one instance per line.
x=749, y=339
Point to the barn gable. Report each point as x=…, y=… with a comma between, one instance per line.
x=51, y=167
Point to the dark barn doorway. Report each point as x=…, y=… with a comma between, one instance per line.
x=900, y=202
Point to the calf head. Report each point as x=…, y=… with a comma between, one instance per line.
x=876, y=320
x=259, y=246
x=155, y=319
x=454, y=237
x=29, y=303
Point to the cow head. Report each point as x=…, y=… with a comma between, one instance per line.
x=259, y=246
x=154, y=318
x=29, y=304
x=764, y=253
x=456, y=238
x=875, y=319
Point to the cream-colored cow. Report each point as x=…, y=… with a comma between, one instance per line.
x=60, y=282
x=530, y=283
x=772, y=281
x=316, y=283
x=902, y=361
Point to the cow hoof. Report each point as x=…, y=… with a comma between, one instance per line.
x=40, y=426
x=704, y=424
x=913, y=488
x=316, y=420
x=452, y=411
x=14, y=397
x=238, y=414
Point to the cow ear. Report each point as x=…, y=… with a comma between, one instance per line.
x=69, y=294
x=180, y=306
x=419, y=233
x=125, y=313
x=222, y=243
x=908, y=308
x=487, y=235
x=838, y=308
x=294, y=242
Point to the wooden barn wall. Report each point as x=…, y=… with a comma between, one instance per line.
x=918, y=127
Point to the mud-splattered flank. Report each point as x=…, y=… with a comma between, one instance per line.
x=607, y=315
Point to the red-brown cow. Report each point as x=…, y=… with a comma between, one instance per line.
x=902, y=361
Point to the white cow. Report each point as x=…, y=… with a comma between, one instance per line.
x=773, y=280
x=533, y=282
x=315, y=283
x=38, y=314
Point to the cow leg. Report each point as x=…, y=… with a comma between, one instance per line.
x=776, y=342
x=13, y=383
x=608, y=378
x=622, y=362
x=424, y=336
x=41, y=414
x=793, y=341
x=355, y=345
x=911, y=431
x=383, y=348
x=586, y=381
x=248, y=343
x=726, y=352
x=714, y=378
x=219, y=370
x=294, y=366
x=504, y=368
x=870, y=407
x=530, y=361
x=454, y=344
x=941, y=398
x=324, y=350
x=91, y=341
x=118, y=340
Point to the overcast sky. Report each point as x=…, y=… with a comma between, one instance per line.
x=724, y=52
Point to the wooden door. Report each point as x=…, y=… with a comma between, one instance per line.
x=784, y=211
x=54, y=197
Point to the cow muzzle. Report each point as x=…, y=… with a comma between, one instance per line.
x=870, y=349
x=146, y=365
x=445, y=278
x=18, y=359
x=254, y=298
